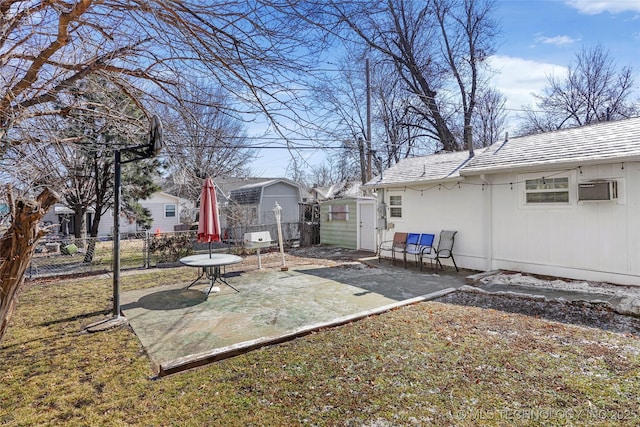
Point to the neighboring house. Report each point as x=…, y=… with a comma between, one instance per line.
x=165, y=210
x=250, y=201
x=562, y=203
x=349, y=222
x=61, y=220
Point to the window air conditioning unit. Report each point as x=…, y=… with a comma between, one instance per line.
x=597, y=191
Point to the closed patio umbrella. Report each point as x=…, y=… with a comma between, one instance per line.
x=209, y=222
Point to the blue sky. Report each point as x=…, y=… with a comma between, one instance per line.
x=542, y=37
x=538, y=38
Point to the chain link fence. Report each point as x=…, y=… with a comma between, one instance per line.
x=69, y=257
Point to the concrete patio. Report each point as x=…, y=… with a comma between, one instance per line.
x=180, y=328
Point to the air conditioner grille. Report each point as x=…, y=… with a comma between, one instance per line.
x=598, y=191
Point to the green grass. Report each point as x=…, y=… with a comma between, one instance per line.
x=426, y=364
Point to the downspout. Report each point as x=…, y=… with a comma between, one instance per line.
x=380, y=218
x=487, y=221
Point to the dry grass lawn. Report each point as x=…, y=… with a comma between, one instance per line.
x=426, y=364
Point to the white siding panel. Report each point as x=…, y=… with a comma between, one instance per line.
x=632, y=221
x=433, y=208
x=586, y=240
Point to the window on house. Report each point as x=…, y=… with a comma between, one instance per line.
x=547, y=190
x=170, y=211
x=338, y=213
x=395, y=206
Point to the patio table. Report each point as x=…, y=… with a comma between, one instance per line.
x=210, y=265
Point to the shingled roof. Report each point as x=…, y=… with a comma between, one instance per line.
x=246, y=191
x=435, y=167
x=249, y=194
x=607, y=142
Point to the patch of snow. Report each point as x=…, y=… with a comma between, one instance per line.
x=628, y=296
x=582, y=286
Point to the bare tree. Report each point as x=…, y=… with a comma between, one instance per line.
x=592, y=90
x=249, y=49
x=203, y=138
x=341, y=94
x=19, y=242
x=489, y=121
x=437, y=48
x=401, y=128
x=397, y=125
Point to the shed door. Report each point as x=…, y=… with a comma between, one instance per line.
x=367, y=231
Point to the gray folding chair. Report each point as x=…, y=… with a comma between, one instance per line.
x=444, y=250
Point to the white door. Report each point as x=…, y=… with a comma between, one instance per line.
x=367, y=231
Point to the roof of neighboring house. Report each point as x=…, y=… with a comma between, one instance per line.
x=340, y=189
x=165, y=195
x=435, y=167
x=62, y=209
x=247, y=191
x=605, y=142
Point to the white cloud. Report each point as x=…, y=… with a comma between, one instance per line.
x=557, y=40
x=593, y=7
x=519, y=78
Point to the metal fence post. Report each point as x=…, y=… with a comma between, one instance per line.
x=146, y=250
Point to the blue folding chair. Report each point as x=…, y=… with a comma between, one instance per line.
x=424, y=245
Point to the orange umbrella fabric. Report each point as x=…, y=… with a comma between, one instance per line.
x=209, y=222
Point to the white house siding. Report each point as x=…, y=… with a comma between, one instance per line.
x=287, y=196
x=156, y=204
x=583, y=240
x=432, y=208
x=106, y=225
x=597, y=241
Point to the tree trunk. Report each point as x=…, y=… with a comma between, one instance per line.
x=17, y=246
x=80, y=227
x=93, y=235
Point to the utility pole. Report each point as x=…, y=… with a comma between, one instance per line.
x=369, y=154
